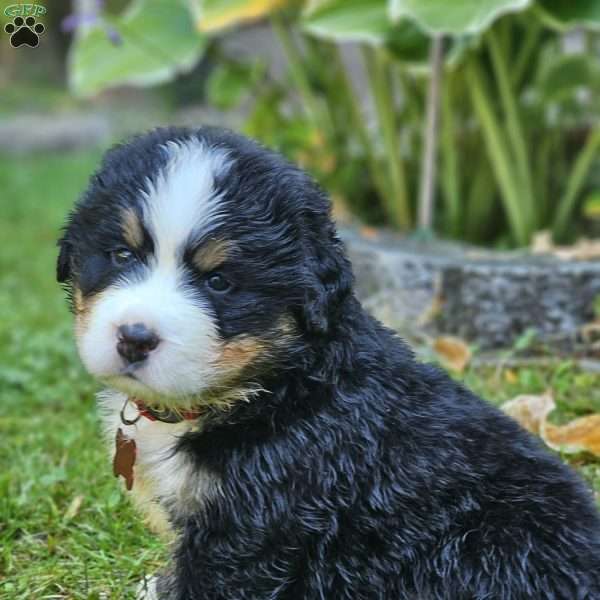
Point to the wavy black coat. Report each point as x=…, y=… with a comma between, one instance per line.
x=362, y=474
x=359, y=473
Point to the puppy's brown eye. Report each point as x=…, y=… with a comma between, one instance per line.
x=122, y=256
x=218, y=283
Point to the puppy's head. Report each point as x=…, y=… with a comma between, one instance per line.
x=196, y=262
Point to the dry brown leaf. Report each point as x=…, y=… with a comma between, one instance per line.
x=74, y=507
x=530, y=411
x=590, y=332
x=580, y=435
x=431, y=311
x=328, y=163
x=369, y=232
x=340, y=211
x=542, y=243
x=453, y=352
x=510, y=376
x=584, y=249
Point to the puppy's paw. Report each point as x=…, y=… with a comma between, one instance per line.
x=146, y=589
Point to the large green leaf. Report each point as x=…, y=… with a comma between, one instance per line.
x=366, y=21
x=409, y=44
x=158, y=41
x=348, y=20
x=565, y=14
x=454, y=16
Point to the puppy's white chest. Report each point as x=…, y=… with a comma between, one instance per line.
x=164, y=480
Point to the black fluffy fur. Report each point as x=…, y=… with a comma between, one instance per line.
x=360, y=473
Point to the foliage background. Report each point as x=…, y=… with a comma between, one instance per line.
x=518, y=84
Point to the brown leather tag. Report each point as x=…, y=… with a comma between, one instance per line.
x=125, y=452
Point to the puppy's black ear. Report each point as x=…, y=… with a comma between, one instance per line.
x=330, y=282
x=315, y=309
x=63, y=264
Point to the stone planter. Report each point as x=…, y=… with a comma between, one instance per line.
x=489, y=298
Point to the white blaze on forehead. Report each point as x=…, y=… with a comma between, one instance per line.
x=183, y=198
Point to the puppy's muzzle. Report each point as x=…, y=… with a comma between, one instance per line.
x=136, y=342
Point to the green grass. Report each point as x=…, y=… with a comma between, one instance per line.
x=50, y=444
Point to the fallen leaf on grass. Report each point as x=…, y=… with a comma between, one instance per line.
x=580, y=435
x=530, y=411
x=453, y=352
x=74, y=507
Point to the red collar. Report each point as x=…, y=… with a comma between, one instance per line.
x=167, y=415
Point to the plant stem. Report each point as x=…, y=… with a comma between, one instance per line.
x=299, y=77
x=498, y=152
x=515, y=131
x=379, y=78
x=428, y=166
x=450, y=178
x=576, y=180
x=533, y=32
x=480, y=199
x=349, y=95
x=504, y=37
x=544, y=167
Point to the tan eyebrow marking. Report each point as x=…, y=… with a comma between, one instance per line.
x=211, y=254
x=132, y=228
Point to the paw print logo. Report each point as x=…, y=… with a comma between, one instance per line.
x=24, y=32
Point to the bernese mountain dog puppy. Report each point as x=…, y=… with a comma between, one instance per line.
x=291, y=445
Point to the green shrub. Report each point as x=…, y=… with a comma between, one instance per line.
x=518, y=129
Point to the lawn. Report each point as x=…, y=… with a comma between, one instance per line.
x=66, y=529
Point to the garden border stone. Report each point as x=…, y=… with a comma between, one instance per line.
x=486, y=297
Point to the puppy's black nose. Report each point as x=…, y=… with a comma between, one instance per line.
x=136, y=342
